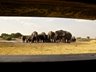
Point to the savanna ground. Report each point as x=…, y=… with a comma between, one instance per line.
x=19, y=48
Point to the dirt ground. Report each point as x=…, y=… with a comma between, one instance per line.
x=19, y=48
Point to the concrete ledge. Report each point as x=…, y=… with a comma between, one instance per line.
x=62, y=9
x=46, y=58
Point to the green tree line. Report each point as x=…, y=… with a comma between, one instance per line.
x=10, y=36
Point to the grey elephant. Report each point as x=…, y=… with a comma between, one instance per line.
x=68, y=37
x=23, y=39
x=34, y=37
x=62, y=36
x=73, y=39
x=42, y=37
x=59, y=35
x=28, y=39
x=51, y=36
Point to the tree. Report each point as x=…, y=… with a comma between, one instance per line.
x=88, y=37
x=4, y=35
x=16, y=35
x=13, y=35
x=10, y=36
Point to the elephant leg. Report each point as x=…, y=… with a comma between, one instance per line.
x=43, y=40
x=26, y=41
x=37, y=40
x=68, y=41
x=64, y=40
x=52, y=41
x=29, y=41
x=23, y=40
x=32, y=41
x=56, y=40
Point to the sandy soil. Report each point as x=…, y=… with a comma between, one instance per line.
x=19, y=48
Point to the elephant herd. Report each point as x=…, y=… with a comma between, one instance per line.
x=54, y=37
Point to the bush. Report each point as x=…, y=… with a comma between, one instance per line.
x=88, y=37
x=7, y=38
x=79, y=38
x=16, y=35
x=3, y=35
x=11, y=36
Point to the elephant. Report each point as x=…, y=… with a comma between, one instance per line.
x=34, y=37
x=23, y=39
x=59, y=35
x=62, y=36
x=28, y=39
x=42, y=37
x=51, y=36
x=47, y=39
x=68, y=37
x=73, y=39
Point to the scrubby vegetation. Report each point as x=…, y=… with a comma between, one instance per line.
x=12, y=36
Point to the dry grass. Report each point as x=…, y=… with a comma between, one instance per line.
x=47, y=48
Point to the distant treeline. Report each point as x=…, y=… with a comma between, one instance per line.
x=10, y=36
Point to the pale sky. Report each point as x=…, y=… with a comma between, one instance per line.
x=26, y=25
